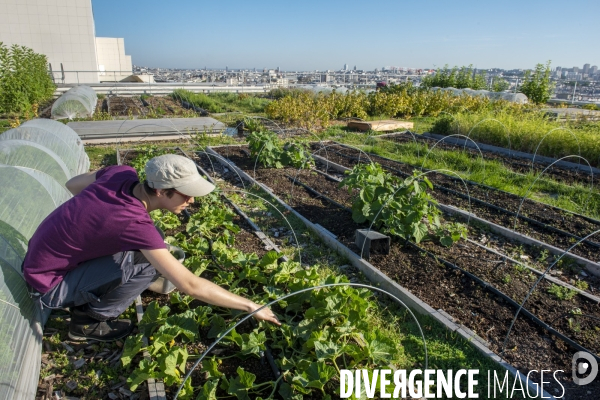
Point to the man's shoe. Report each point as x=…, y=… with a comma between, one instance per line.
x=84, y=327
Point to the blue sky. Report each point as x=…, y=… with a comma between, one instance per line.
x=309, y=35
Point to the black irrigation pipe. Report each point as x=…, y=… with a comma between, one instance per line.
x=482, y=185
x=267, y=355
x=489, y=205
x=319, y=195
x=509, y=300
x=487, y=286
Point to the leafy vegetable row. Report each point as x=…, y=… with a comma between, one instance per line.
x=322, y=331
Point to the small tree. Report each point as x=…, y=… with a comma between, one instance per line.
x=500, y=85
x=24, y=79
x=537, y=86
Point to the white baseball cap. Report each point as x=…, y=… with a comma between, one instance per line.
x=171, y=171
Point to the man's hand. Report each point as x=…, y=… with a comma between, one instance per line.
x=265, y=314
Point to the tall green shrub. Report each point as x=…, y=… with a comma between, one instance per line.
x=24, y=79
x=462, y=78
x=537, y=86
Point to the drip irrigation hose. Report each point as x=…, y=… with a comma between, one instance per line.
x=265, y=240
x=360, y=285
x=503, y=296
x=522, y=305
x=210, y=248
x=499, y=262
x=572, y=314
x=495, y=207
x=327, y=176
x=267, y=354
x=313, y=191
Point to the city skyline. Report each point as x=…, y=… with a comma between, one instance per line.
x=316, y=36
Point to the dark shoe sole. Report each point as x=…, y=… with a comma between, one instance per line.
x=78, y=338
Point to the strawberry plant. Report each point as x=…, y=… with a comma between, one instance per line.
x=403, y=208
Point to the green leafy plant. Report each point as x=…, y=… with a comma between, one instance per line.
x=462, y=78
x=410, y=212
x=500, y=84
x=561, y=292
x=24, y=79
x=297, y=155
x=253, y=125
x=583, y=285
x=537, y=85
x=264, y=147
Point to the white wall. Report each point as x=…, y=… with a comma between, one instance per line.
x=63, y=30
x=111, y=57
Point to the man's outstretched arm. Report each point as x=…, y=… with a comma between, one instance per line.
x=201, y=288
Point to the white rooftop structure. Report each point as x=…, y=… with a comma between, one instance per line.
x=64, y=31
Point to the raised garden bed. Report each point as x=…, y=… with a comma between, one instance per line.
x=510, y=159
x=530, y=347
x=548, y=224
x=234, y=367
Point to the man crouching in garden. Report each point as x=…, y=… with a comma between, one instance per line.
x=98, y=251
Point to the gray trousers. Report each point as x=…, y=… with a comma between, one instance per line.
x=107, y=285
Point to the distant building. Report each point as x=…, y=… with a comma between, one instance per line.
x=586, y=68
x=593, y=70
x=64, y=31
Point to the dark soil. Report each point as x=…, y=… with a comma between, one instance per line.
x=120, y=106
x=530, y=347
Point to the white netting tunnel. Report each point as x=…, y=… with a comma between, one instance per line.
x=66, y=147
x=20, y=336
x=28, y=196
x=22, y=153
x=513, y=97
x=78, y=102
x=36, y=160
x=64, y=132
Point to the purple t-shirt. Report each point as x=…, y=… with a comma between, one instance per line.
x=104, y=219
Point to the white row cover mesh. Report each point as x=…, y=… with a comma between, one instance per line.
x=20, y=337
x=28, y=196
x=36, y=160
x=67, y=134
x=513, y=97
x=66, y=148
x=13, y=247
x=21, y=153
x=78, y=102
